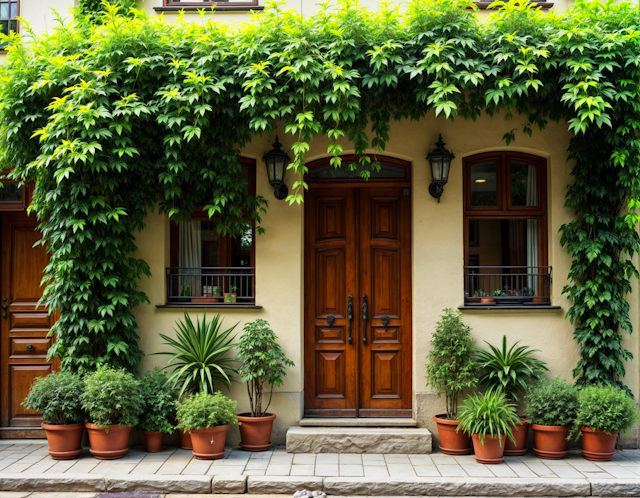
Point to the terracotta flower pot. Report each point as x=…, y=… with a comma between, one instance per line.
x=108, y=445
x=185, y=440
x=492, y=451
x=153, y=441
x=520, y=433
x=487, y=300
x=598, y=446
x=208, y=444
x=550, y=441
x=452, y=442
x=255, y=432
x=65, y=441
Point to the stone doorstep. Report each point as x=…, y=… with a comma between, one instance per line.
x=385, y=440
x=358, y=422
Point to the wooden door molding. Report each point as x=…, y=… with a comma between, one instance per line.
x=23, y=331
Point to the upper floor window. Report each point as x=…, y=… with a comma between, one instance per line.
x=209, y=268
x=505, y=229
x=8, y=17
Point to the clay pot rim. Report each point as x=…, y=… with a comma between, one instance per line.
x=584, y=428
x=61, y=427
x=444, y=421
x=152, y=432
x=248, y=417
x=215, y=428
x=551, y=428
x=489, y=436
x=89, y=425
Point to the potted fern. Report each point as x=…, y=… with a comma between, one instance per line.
x=57, y=397
x=451, y=368
x=198, y=359
x=263, y=361
x=232, y=296
x=159, y=397
x=511, y=370
x=113, y=403
x=603, y=412
x=551, y=407
x=489, y=418
x=208, y=419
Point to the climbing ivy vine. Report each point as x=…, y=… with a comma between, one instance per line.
x=118, y=114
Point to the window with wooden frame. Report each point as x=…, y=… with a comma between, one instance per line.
x=208, y=268
x=505, y=230
x=205, y=4
x=9, y=11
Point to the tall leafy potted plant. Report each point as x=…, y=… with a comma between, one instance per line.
x=198, y=359
x=113, y=403
x=511, y=370
x=263, y=361
x=57, y=397
x=551, y=407
x=159, y=397
x=603, y=412
x=489, y=418
x=207, y=418
x=451, y=368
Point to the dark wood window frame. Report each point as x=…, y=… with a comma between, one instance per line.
x=504, y=209
x=221, y=5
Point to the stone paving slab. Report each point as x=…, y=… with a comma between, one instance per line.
x=158, y=483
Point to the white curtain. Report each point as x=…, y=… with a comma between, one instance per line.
x=532, y=229
x=190, y=257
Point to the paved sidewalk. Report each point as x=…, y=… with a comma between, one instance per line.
x=26, y=466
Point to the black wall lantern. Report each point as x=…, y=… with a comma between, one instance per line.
x=277, y=161
x=440, y=161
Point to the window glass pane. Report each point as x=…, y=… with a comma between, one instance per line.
x=210, y=245
x=14, y=10
x=523, y=185
x=344, y=172
x=241, y=247
x=484, y=186
x=11, y=192
x=511, y=246
x=4, y=10
x=4, y=27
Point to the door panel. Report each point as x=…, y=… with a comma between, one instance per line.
x=357, y=243
x=23, y=327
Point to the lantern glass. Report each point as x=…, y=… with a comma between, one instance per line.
x=436, y=168
x=279, y=167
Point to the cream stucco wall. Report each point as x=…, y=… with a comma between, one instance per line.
x=437, y=252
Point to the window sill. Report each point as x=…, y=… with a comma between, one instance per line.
x=544, y=307
x=541, y=5
x=210, y=305
x=208, y=8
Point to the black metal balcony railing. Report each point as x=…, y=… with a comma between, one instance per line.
x=507, y=285
x=208, y=285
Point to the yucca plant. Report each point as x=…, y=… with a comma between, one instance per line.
x=488, y=414
x=199, y=361
x=509, y=369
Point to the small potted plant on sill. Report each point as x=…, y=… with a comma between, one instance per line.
x=489, y=418
x=603, y=412
x=57, y=397
x=551, y=407
x=511, y=370
x=159, y=408
x=485, y=298
x=451, y=368
x=231, y=297
x=198, y=359
x=113, y=403
x=207, y=418
x=262, y=361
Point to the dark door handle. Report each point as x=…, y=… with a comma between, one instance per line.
x=4, y=306
x=364, y=318
x=350, y=316
x=4, y=314
x=30, y=347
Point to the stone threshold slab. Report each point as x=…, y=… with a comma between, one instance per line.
x=358, y=422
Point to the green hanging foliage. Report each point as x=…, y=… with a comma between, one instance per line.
x=116, y=117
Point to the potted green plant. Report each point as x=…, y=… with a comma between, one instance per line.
x=198, y=360
x=113, y=403
x=57, y=397
x=207, y=418
x=231, y=297
x=511, y=370
x=185, y=291
x=551, y=407
x=603, y=412
x=263, y=361
x=451, y=368
x=490, y=418
x=159, y=397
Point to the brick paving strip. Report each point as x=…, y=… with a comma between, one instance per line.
x=26, y=470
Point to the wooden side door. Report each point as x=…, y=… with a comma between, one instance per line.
x=385, y=279
x=331, y=344
x=23, y=327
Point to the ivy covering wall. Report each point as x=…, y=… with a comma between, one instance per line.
x=114, y=114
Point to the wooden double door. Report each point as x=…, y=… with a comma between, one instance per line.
x=23, y=325
x=358, y=299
